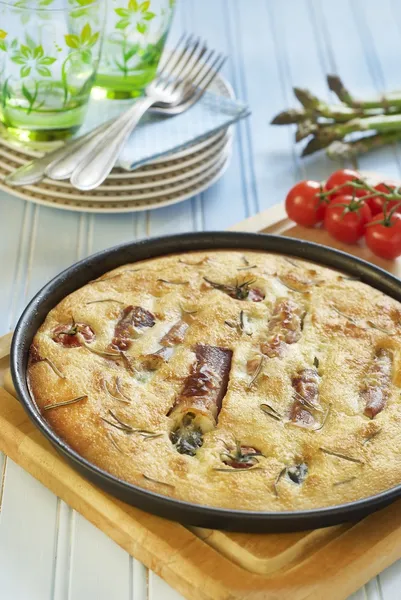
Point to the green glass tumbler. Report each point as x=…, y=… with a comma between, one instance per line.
x=49, y=54
x=135, y=35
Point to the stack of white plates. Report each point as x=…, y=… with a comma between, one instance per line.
x=166, y=180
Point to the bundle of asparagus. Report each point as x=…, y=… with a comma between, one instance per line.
x=330, y=126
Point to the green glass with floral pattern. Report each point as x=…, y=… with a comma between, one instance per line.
x=49, y=54
x=135, y=34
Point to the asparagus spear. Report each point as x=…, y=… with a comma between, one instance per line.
x=387, y=103
x=314, y=145
x=346, y=150
x=337, y=112
x=382, y=124
x=315, y=108
x=292, y=115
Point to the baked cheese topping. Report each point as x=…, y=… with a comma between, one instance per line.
x=235, y=379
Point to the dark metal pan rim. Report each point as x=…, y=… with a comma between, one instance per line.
x=191, y=513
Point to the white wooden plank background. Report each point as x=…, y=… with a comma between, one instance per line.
x=47, y=551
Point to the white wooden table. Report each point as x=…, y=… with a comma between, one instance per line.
x=47, y=551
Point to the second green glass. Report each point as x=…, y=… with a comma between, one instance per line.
x=135, y=35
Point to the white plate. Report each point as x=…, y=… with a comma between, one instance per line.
x=10, y=160
x=34, y=195
x=112, y=189
x=123, y=195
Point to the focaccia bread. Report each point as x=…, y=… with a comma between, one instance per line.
x=234, y=379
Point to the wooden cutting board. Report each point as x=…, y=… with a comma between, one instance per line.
x=201, y=564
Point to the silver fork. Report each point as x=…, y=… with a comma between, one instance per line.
x=181, y=81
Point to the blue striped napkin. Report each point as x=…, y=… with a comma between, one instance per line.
x=156, y=135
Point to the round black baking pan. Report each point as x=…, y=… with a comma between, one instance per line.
x=90, y=268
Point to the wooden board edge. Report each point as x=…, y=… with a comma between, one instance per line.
x=299, y=550
x=5, y=376
x=5, y=345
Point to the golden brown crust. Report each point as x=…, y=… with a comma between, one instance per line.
x=314, y=361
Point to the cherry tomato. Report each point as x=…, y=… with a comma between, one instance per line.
x=346, y=218
x=303, y=204
x=383, y=235
x=377, y=202
x=386, y=186
x=342, y=176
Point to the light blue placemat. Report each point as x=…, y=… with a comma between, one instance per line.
x=156, y=135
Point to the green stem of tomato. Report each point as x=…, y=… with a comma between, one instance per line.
x=387, y=217
x=353, y=206
x=386, y=222
x=361, y=185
